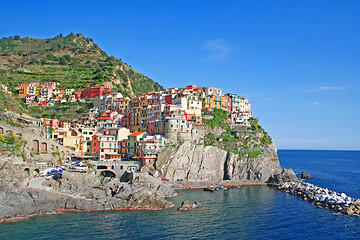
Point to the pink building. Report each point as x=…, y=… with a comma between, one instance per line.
x=55, y=123
x=51, y=85
x=152, y=98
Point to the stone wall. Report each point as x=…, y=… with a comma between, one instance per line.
x=35, y=140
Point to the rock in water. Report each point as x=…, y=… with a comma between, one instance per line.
x=305, y=175
x=287, y=175
x=187, y=205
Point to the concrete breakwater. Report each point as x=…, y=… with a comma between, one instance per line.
x=323, y=197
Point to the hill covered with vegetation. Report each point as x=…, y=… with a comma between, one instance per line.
x=74, y=61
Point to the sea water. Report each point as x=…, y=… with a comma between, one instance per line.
x=251, y=212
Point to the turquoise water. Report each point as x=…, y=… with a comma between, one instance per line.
x=253, y=212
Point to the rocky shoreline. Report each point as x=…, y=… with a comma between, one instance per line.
x=323, y=197
x=76, y=192
x=61, y=211
x=80, y=197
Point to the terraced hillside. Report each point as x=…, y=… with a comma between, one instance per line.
x=74, y=61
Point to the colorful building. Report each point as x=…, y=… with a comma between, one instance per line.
x=105, y=147
x=94, y=91
x=213, y=91
x=133, y=143
x=150, y=147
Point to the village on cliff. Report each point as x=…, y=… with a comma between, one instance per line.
x=121, y=128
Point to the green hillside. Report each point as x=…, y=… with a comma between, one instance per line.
x=74, y=61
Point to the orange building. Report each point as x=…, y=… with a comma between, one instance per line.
x=23, y=89
x=102, y=145
x=123, y=105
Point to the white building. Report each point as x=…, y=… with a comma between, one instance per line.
x=241, y=118
x=181, y=102
x=213, y=91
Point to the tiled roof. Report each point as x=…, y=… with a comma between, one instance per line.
x=135, y=134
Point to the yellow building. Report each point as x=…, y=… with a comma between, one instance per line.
x=74, y=142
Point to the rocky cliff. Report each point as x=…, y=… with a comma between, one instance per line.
x=219, y=151
x=76, y=191
x=191, y=162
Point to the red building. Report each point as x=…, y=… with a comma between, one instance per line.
x=95, y=91
x=193, y=88
x=77, y=95
x=168, y=99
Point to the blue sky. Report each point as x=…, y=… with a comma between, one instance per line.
x=298, y=62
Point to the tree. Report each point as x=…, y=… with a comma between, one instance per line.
x=63, y=61
x=67, y=58
x=17, y=37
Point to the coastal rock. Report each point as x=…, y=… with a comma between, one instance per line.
x=192, y=162
x=287, y=175
x=259, y=169
x=305, y=175
x=77, y=191
x=187, y=205
x=197, y=163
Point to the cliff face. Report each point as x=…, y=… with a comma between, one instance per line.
x=192, y=162
x=260, y=168
x=218, y=151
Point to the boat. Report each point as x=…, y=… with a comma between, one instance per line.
x=209, y=189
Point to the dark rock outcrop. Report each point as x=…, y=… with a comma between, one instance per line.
x=287, y=175
x=305, y=175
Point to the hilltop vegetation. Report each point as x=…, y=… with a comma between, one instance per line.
x=74, y=61
x=250, y=141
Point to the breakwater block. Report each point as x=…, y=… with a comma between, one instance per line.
x=323, y=197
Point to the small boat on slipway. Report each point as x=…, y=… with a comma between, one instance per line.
x=210, y=189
